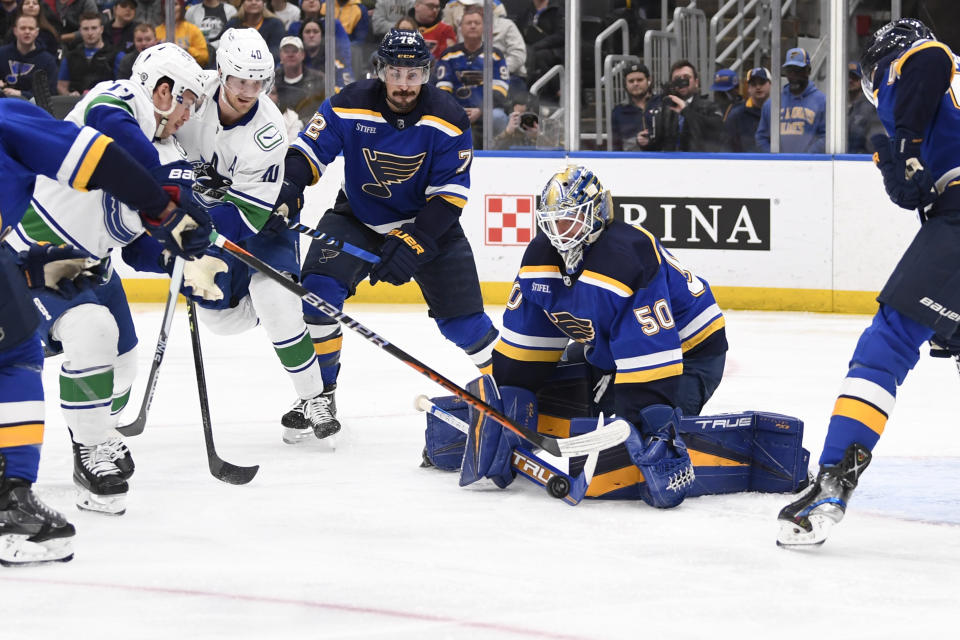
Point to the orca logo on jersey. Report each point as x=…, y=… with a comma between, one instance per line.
x=579, y=329
x=387, y=169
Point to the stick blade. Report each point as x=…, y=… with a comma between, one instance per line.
x=135, y=428
x=231, y=473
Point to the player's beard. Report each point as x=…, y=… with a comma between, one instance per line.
x=402, y=101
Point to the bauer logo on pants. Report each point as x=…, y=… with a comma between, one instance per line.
x=508, y=220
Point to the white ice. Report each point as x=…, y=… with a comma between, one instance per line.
x=362, y=543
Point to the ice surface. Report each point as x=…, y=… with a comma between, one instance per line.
x=362, y=543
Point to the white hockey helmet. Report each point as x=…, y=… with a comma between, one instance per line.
x=167, y=60
x=244, y=54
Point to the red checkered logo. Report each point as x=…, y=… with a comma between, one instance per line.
x=509, y=220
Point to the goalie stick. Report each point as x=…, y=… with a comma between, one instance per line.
x=602, y=438
x=557, y=483
x=220, y=468
x=135, y=428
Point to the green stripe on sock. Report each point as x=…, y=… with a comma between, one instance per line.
x=120, y=402
x=97, y=386
x=297, y=354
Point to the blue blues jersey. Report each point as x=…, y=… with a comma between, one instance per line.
x=34, y=143
x=637, y=310
x=394, y=163
x=460, y=72
x=901, y=103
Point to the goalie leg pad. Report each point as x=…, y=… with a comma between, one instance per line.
x=489, y=445
x=662, y=457
x=445, y=444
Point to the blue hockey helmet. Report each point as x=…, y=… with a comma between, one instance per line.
x=403, y=55
x=892, y=38
x=574, y=210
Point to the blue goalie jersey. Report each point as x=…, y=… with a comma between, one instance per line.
x=635, y=308
x=394, y=163
x=941, y=139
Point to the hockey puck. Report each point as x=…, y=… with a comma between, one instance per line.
x=558, y=487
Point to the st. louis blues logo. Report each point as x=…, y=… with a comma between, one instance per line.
x=18, y=69
x=387, y=169
x=579, y=329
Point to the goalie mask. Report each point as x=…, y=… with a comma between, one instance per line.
x=167, y=60
x=574, y=210
x=892, y=39
x=244, y=63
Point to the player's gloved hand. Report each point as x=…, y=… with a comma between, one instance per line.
x=906, y=181
x=290, y=200
x=209, y=183
x=200, y=277
x=404, y=250
x=661, y=456
x=184, y=227
x=62, y=268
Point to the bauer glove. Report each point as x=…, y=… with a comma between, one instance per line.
x=404, y=251
x=906, y=181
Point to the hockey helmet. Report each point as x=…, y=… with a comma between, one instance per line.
x=574, y=210
x=403, y=55
x=243, y=54
x=891, y=39
x=167, y=60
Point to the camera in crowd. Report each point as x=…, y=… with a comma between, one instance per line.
x=529, y=120
x=673, y=87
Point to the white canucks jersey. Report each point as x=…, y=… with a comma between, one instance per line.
x=249, y=153
x=93, y=221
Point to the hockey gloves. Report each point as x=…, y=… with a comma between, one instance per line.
x=907, y=182
x=489, y=446
x=62, y=268
x=662, y=457
x=200, y=276
x=184, y=227
x=404, y=250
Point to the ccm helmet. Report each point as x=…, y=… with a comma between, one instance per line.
x=244, y=54
x=893, y=38
x=167, y=60
x=403, y=50
x=574, y=210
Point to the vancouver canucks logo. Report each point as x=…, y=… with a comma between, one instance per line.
x=387, y=169
x=579, y=329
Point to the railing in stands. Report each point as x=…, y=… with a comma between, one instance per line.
x=600, y=127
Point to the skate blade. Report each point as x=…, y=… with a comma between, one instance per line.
x=115, y=505
x=793, y=536
x=296, y=436
x=18, y=551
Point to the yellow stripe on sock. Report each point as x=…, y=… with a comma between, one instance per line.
x=21, y=435
x=328, y=346
x=861, y=412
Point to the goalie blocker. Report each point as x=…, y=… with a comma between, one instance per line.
x=748, y=451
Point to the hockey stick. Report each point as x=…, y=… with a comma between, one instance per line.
x=603, y=437
x=135, y=428
x=336, y=243
x=557, y=483
x=220, y=468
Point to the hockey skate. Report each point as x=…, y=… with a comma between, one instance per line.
x=119, y=454
x=807, y=521
x=30, y=531
x=315, y=416
x=100, y=483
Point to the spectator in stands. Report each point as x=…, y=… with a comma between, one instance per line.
x=506, y=37
x=150, y=11
x=453, y=12
x=187, y=35
x=406, y=23
x=291, y=121
x=744, y=117
x=212, y=17
x=8, y=15
x=48, y=38
x=386, y=13
x=438, y=34
x=680, y=119
x=726, y=90
x=460, y=71
x=862, y=119
x=523, y=127
x=298, y=87
x=353, y=16
x=144, y=37
x=803, y=110
x=541, y=24
x=88, y=63
x=287, y=12
x=627, y=120
x=254, y=14
x=20, y=59
x=310, y=10
x=315, y=55
x=69, y=13
x=120, y=34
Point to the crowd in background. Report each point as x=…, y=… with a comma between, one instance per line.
x=78, y=43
